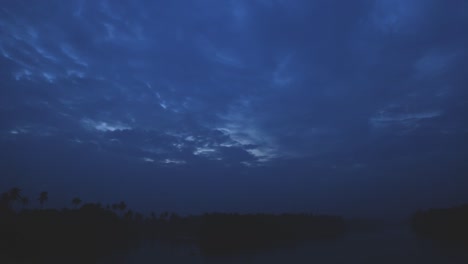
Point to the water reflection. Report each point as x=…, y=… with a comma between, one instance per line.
x=389, y=246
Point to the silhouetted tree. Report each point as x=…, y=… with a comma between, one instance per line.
x=164, y=216
x=24, y=201
x=138, y=217
x=444, y=224
x=122, y=206
x=128, y=215
x=174, y=217
x=153, y=216
x=76, y=202
x=43, y=197
x=93, y=230
x=15, y=194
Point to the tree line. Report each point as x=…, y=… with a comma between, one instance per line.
x=91, y=230
x=447, y=225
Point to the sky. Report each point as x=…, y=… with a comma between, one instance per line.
x=329, y=106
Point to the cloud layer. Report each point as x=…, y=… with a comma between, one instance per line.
x=236, y=88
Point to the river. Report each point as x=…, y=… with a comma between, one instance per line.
x=395, y=245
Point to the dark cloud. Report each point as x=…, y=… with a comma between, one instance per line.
x=300, y=100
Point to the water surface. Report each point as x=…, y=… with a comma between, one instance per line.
x=397, y=245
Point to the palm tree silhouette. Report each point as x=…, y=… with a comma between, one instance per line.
x=43, y=197
x=76, y=201
x=15, y=194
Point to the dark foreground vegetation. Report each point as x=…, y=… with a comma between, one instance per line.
x=446, y=225
x=92, y=230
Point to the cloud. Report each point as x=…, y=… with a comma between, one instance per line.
x=173, y=161
x=281, y=76
x=240, y=13
x=395, y=16
x=18, y=131
x=433, y=64
x=240, y=126
x=102, y=126
x=243, y=85
x=146, y=159
x=399, y=121
x=71, y=54
x=204, y=151
x=23, y=74
x=408, y=117
x=49, y=77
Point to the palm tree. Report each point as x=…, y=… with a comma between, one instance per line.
x=24, y=201
x=76, y=201
x=43, y=197
x=15, y=194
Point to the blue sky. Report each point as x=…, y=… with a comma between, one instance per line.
x=350, y=107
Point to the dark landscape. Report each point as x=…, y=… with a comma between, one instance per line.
x=91, y=230
x=449, y=225
x=87, y=232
